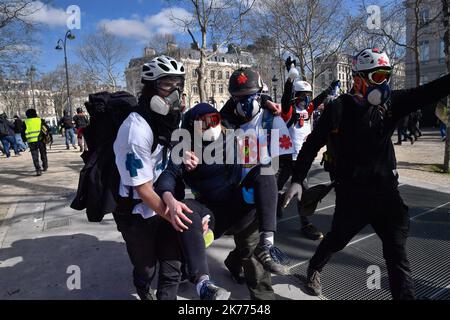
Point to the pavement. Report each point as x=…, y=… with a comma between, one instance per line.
x=42, y=240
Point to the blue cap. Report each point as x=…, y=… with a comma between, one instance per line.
x=196, y=112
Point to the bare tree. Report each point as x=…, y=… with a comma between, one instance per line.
x=395, y=15
x=101, y=54
x=161, y=42
x=16, y=31
x=216, y=23
x=446, y=22
x=307, y=29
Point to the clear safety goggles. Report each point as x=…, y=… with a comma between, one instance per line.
x=170, y=84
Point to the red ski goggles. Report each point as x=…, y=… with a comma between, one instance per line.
x=379, y=76
x=210, y=120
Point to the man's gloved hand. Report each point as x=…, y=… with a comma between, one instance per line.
x=289, y=63
x=293, y=73
x=294, y=190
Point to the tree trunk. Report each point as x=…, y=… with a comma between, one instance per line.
x=416, y=42
x=201, y=74
x=446, y=13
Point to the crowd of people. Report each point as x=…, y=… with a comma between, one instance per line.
x=252, y=176
x=242, y=190
x=36, y=135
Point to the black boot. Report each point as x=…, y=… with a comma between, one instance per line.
x=234, y=265
x=311, y=232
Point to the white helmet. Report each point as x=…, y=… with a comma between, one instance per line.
x=265, y=88
x=370, y=59
x=302, y=86
x=160, y=67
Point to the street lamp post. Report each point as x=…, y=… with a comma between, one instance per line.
x=274, y=82
x=31, y=72
x=61, y=45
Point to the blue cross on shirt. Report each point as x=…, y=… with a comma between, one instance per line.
x=132, y=164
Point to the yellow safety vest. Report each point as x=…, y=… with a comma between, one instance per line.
x=33, y=129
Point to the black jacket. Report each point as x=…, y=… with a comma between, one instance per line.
x=364, y=147
x=210, y=183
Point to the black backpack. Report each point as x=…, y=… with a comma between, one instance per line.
x=98, y=187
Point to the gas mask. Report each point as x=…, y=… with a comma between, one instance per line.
x=301, y=101
x=249, y=106
x=378, y=95
x=166, y=105
x=212, y=134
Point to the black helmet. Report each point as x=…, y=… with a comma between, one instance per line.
x=244, y=82
x=79, y=110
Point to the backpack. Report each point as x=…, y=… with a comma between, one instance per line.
x=45, y=136
x=98, y=187
x=330, y=155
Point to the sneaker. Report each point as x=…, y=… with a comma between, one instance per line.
x=39, y=173
x=67, y=148
x=75, y=147
x=311, y=232
x=313, y=282
x=262, y=254
x=209, y=291
x=444, y=139
x=236, y=270
x=398, y=143
x=45, y=169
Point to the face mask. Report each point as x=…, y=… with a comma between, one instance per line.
x=212, y=134
x=378, y=95
x=248, y=107
x=165, y=105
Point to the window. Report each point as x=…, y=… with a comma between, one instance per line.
x=221, y=88
x=219, y=75
x=441, y=49
x=195, y=89
x=424, y=16
x=213, y=74
x=424, y=51
x=330, y=77
x=227, y=75
x=194, y=73
x=213, y=89
x=423, y=80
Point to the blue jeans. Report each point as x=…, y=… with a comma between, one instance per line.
x=7, y=142
x=443, y=129
x=19, y=141
x=70, y=137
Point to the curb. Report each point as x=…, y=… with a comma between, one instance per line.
x=4, y=226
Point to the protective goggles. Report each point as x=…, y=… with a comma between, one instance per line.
x=379, y=76
x=170, y=84
x=255, y=96
x=210, y=120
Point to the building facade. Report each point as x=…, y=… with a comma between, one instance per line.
x=219, y=69
x=431, y=48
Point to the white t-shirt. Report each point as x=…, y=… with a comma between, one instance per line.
x=300, y=133
x=134, y=158
x=253, y=147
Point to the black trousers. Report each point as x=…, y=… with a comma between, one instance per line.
x=37, y=148
x=258, y=280
x=265, y=197
x=284, y=174
x=148, y=242
x=382, y=207
x=246, y=239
